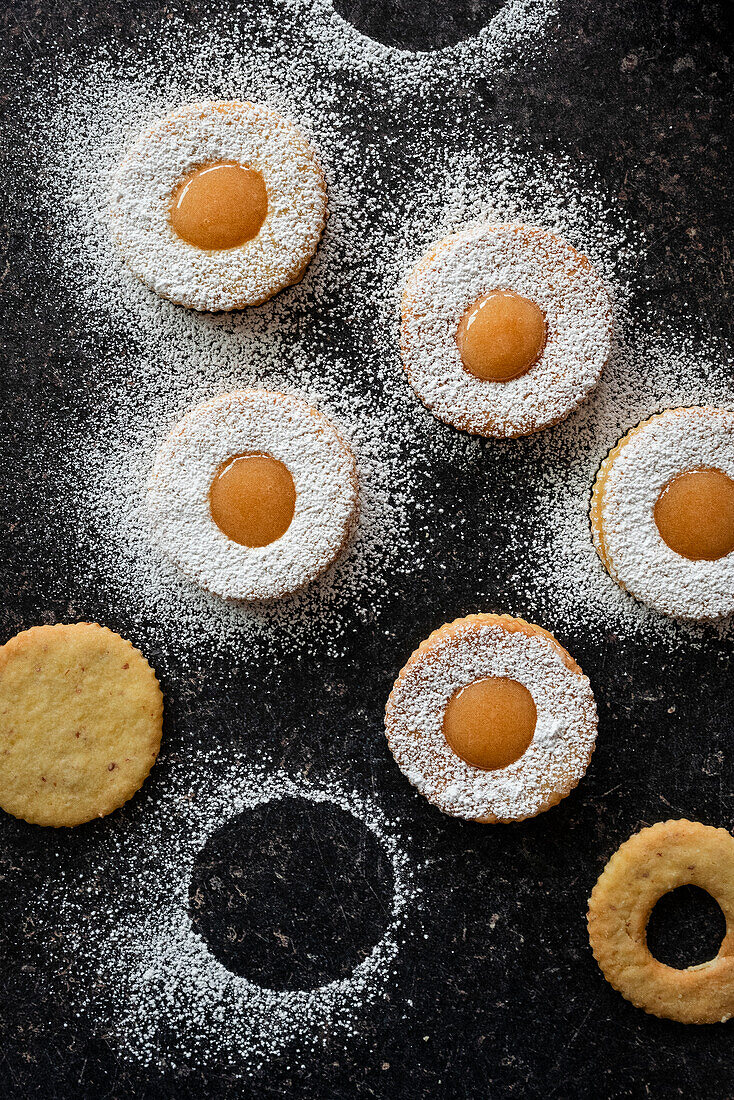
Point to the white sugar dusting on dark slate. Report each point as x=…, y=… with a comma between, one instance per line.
x=150, y=970
x=150, y=973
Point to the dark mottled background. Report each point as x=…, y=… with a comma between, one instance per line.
x=506, y=998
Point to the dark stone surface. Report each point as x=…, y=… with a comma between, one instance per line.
x=424, y=26
x=686, y=927
x=507, y=999
x=266, y=919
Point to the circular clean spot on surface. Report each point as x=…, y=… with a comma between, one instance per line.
x=422, y=26
x=292, y=894
x=686, y=928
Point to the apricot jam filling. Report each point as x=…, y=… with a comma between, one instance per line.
x=490, y=722
x=501, y=336
x=695, y=514
x=219, y=206
x=252, y=499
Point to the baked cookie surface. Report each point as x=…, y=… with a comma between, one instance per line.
x=504, y=329
x=651, y=863
x=662, y=512
x=219, y=205
x=491, y=719
x=81, y=717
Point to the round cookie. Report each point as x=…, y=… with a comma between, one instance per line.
x=505, y=329
x=81, y=717
x=662, y=512
x=307, y=492
x=491, y=719
x=651, y=863
x=219, y=205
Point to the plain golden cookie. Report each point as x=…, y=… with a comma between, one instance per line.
x=648, y=865
x=81, y=715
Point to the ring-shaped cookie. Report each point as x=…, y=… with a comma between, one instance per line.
x=527, y=261
x=469, y=650
x=208, y=133
x=253, y=422
x=647, y=866
x=627, y=487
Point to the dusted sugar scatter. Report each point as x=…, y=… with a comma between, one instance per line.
x=219, y=205
x=328, y=347
x=289, y=530
x=509, y=362
x=468, y=37
x=81, y=718
x=542, y=745
x=150, y=978
x=662, y=512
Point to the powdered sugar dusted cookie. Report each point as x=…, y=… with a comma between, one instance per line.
x=219, y=205
x=505, y=329
x=253, y=494
x=491, y=719
x=662, y=512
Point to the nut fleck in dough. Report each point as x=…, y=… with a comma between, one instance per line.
x=648, y=865
x=81, y=715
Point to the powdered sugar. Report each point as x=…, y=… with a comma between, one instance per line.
x=564, y=734
x=332, y=340
x=151, y=974
x=327, y=337
x=530, y=262
x=252, y=421
x=206, y=133
x=293, y=344
x=518, y=27
x=667, y=445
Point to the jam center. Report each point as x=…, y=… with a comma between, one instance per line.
x=501, y=336
x=252, y=499
x=695, y=515
x=491, y=722
x=219, y=206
